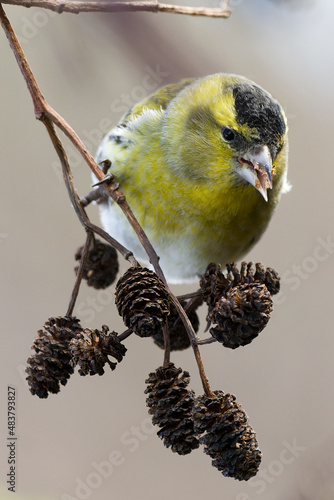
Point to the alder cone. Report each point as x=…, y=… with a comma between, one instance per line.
x=227, y=436
x=215, y=284
x=92, y=349
x=101, y=268
x=52, y=363
x=142, y=300
x=170, y=403
x=241, y=314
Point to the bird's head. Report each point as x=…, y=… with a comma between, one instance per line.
x=235, y=131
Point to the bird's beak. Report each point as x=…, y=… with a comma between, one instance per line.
x=256, y=168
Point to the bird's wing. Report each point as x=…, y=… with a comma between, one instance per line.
x=118, y=143
x=137, y=122
x=159, y=100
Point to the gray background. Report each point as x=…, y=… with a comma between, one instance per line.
x=88, y=66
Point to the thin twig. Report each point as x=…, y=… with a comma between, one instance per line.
x=191, y=305
x=84, y=257
x=209, y=340
x=192, y=336
x=125, y=335
x=166, y=334
x=75, y=7
x=127, y=254
x=191, y=295
x=194, y=303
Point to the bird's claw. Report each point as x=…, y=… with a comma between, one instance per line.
x=106, y=179
x=105, y=165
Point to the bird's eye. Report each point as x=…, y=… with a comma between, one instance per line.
x=228, y=134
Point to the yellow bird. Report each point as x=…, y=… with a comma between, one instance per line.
x=203, y=164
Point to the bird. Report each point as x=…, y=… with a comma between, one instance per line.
x=202, y=164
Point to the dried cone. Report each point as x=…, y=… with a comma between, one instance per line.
x=101, y=267
x=179, y=339
x=272, y=281
x=215, y=284
x=227, y=437
x=170, y=403
x=250, y=274
x=241, y=315
x=52, y=364
x=91, y=350
x=142, y=301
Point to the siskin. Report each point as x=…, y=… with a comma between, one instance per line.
x=203, y=164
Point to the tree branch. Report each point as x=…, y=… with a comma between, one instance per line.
x=74, y=7
x=45, y=113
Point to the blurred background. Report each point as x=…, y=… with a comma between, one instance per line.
x=91, y=68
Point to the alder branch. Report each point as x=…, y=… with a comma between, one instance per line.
x=100, y=6
x=45, y=113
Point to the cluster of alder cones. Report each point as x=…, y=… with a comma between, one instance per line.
x=239, y=307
